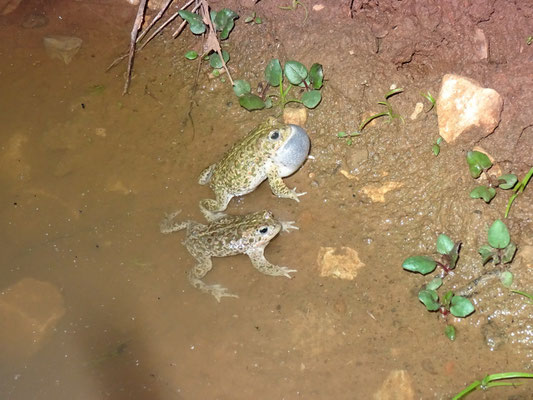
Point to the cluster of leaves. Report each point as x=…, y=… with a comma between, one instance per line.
x=478, y=163
x=388, y=113
x=309, y=82
x=500, y=248
x=458, y=306
x=223, y=22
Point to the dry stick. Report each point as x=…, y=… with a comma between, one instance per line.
x=134, y=32
x=212, y=40
x=157, y=18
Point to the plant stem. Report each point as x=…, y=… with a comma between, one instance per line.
x=486, y=382
x=519, y=188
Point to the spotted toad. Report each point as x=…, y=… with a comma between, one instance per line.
x=227, y=236
x=271, y=151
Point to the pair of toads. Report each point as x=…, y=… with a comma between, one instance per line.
x=271, y=151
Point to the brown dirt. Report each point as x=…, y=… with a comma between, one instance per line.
x=84, y=189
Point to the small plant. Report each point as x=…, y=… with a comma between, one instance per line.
x=500, y=248
x=436, y=146
x=458, y=306
x=478, y=163
x=390, y=113
x=308, y=82
x=431, y=99
x=491, y=381
x=294, y=5
x=254, y=19
x=529, y=40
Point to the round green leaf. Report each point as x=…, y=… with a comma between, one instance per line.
x=430, y=299
x=295, y=72
x=508, y=181
x=477, y=162
x=499, y=237
x=444, y=244
x=251, y=102
x=461, y=306
x=195, y=21
x=506, y=278
x=224, y=22
x=216, y=62
x=449, y=331
x=274, y=73
x=434, y=284
x=421, y=264
x=483, y=192
x=240, y=87
x=316, y=75
x=311, y=99
x=191, y=55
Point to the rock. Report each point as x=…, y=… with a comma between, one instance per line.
x=397, y=386
x=464, y=106
x=62, y=47
x=8, y=6
x=343, y=263
x=29, y=311
x=295, y=115
x=377, y=192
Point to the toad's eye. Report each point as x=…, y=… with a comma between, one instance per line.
x=263, y=230
x=274, y=135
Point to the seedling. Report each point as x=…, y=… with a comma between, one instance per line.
x=431, y=99
x=436, y=146
x=191, y=55
x=253, y=19
x=529, y=40
x=528, y=295
x=479, y=163
x=348, y=136
x=491, y=381
x=458, y=306
x=294, y=5
x=424, y=265
x=500, y=248
x=390, y=112
x=297, y=75
x=222, y=22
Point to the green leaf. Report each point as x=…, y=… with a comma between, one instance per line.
x=316, y=76
x=487, y=253
x=216, y=62
x=444, y=244
x=434, y=284
x=509, y=253
x=449, y=331
x=342, y=134
x=258, y=20
x=461, y=306
x=274, y=73
x=268, y=102
x=447, y=298
x=435, y=149
x=195, y=21
x=430, y=299
x=295, y=72
x=499, y=237
x=483, y=192
x=240, y=87
x=477, y=162
x=421, y=264
x=506, y=278
x=191, y=55
x=224, y=22
x=311, y=99
x=508, y=181
x=251, y=102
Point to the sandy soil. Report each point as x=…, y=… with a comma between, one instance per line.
x=87, y=175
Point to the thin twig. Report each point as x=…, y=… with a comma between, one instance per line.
x=136, y=26
x=157, y=18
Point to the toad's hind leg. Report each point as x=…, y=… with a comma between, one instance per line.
x=213, y=209
x=196, y=274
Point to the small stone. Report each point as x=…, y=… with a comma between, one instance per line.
x=464, y=106
x=295, y=115
x=397, y=386
x=377, y=192
x=343, y=262
x=418, y=109
x=62, y=47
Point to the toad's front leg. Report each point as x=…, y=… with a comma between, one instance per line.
x=279, y=188
x=264, y=266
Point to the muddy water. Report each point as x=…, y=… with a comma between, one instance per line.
x=96, y=300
